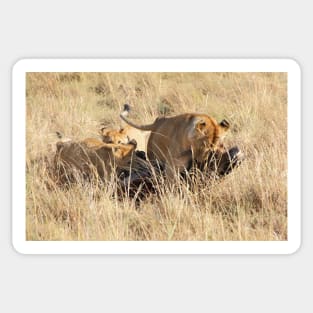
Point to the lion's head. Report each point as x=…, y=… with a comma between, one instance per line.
x=206, y=135
x=117, y=136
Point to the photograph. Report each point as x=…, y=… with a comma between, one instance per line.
x=163, y=156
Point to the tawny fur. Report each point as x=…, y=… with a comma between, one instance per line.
x=91, y=156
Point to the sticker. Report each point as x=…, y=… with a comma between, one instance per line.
x=156, y=156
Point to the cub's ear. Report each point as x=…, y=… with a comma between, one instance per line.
x=106, y=138
x=225, y=124
x=103, y=130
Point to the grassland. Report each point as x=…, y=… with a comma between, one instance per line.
x=249, y=204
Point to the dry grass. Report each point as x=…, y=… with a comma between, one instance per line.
x=249, y=204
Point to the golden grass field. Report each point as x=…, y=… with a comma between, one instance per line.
x=248, y=204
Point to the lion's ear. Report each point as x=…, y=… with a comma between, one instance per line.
x=225, y=124
x=224, y=127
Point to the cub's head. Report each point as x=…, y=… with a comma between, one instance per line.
x=207, y=135
x=110, y=135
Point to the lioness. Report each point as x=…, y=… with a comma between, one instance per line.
x=177, y=140
x=90, y=157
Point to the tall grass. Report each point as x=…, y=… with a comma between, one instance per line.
x=248, y=204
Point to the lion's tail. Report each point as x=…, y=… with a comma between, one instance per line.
x=126, y=110
x=124, y=114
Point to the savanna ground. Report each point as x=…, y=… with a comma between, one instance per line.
x=248, y=204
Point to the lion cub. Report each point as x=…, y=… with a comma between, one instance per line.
x=125, y=134
x=91, y=157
